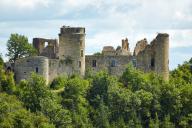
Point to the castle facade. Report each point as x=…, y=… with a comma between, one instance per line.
x=68, y=57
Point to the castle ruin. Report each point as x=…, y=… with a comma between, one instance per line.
x=67, y=56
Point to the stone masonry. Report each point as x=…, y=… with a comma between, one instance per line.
x=67, y=56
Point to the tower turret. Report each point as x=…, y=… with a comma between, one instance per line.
x=162, y=55
x=72, y=48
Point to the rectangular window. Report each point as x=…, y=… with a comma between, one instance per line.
x=134, y=62
x=37, y=70
x=81, y=53
x=152, y=62
x=113, y=63
x=94, y=63
x=81, y=43
x=79, y=64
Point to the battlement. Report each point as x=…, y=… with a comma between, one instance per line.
x=72, y=30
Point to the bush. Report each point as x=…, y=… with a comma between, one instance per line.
x=59, y=82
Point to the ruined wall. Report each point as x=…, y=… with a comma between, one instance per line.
x=68, y=57
x=144, y=59
x=154, y=56
x=114, y=65
x=140, y=46
x=24, y=67
x=51, y=50
x=125, y=47
x=72, y=48
x=108, y=51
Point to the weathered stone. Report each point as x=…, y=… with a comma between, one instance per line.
x=68, y=57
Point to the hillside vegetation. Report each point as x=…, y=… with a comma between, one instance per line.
x=134, y=100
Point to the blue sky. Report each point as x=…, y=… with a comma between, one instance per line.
x=106, y=22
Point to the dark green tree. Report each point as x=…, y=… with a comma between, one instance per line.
x=59, y=82
x=32, y=91
x=101, y=116
x=73, y=99
x=60, y=117
x=14, y=115
x=19, y=47
x=133, y=78
x=1, y=61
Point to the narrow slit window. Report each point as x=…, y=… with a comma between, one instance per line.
x=82, y=53
x=152, y=62
x=37, y=69
x=81, y=43
x=79, y=64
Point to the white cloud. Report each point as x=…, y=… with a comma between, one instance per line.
x=23, y=4
x=106, y=21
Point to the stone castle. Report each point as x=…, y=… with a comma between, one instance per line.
x=67, y=56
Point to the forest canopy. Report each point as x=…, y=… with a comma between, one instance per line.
x=133, y=100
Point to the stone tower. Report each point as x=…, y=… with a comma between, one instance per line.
x=162, y=55
x=125, y=47
x=72, y=48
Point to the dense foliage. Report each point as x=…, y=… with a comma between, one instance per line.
x=134, y=100
x=19, y=47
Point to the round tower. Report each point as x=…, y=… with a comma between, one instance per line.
x=37, y=64
x=72, y=48
x=162, y=55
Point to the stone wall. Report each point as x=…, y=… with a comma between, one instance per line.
x=72, y=48
x=114, y=65
x=59, y=67
x=154, y=56
x=140, y=46
x=24, y=67
x=51, y=50
x=68, y=57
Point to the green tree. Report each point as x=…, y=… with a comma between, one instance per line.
x=59, y=82
x=58, y=116
x=182, y=75
x=97, y=54
x=146, y=101
x=167, y=123
x=14, y=115
x=101, y=116
x=154, y=123
x=133, y=78
x=19, y=47
x=7, y=82
x=101, y=83
x=73, y=99
x=32, y=91
x=1, y=61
